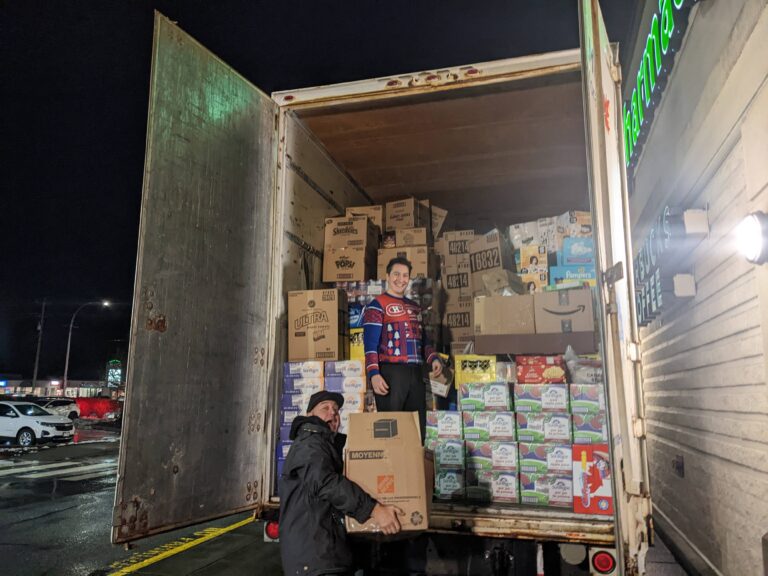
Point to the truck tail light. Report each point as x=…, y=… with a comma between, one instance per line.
x=272, y=530
x=603, y=562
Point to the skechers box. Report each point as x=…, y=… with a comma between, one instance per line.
x=317, y=325
x=385, y=458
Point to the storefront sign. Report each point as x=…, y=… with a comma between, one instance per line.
x=663, y=41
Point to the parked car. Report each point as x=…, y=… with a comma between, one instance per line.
x=28, y=423
x=61, y=406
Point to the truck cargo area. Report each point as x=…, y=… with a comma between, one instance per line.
x=492, y=155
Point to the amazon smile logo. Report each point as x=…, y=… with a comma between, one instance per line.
x=577, y=310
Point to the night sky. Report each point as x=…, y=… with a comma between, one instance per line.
x=74, y=96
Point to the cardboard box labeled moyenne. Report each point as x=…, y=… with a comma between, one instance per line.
x=317, y=325
x=504, y=315
x=374, y=213
x=564, y=311
x=385, y=458
x=592, y=491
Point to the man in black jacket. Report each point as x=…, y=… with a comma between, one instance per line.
x=314, y=494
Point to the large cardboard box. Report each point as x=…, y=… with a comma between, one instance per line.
x=349, y=231
x=422, y=260
x=459, y=322
x=504, y=315
x=374, y=213
x=385, y=458
x=457, y=284
x=412, y=237
x=347, y=263
x=439, y=216
x=488, y=253
x=317, y=325
x=408, y=213
x=453, y=247
x=564, y=311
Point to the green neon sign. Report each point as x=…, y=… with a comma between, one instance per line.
x=663, y=40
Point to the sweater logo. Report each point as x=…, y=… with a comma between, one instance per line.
x=395, y=309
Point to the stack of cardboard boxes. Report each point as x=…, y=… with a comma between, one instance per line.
x=409, y=223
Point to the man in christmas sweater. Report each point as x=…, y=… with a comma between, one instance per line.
x=396, y=346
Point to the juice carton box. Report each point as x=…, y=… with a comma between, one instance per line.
x=449, y=453
x=544, y=427
x=592, y=491
x=590, y=428
x=444, y=424
x=308, y=369
x=482, y=396
x=346, y=384
x=342, y=368
x=546, y=490
x=545, y=458
x=587, y=398
x=541, y=397
x=486, y=426
x=491, y=455
x=504, y=486
x=449, y=484
x=306, y=386
x=479, y=485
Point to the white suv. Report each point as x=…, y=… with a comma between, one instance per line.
x=28, y=423
x=61, y=406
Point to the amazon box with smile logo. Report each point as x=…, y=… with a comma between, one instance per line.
x=317, y=325
x=563, y=311
x=384, y=456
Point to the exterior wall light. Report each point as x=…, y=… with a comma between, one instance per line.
x=752, y=237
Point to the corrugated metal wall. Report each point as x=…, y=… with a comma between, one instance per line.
x=704, y=360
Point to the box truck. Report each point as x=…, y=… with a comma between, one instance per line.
x=237, y=186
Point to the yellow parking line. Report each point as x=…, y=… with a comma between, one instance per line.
x=209, y=534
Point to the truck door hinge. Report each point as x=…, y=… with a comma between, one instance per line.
x=638, y=427
x=633, y=351
x=614, y=273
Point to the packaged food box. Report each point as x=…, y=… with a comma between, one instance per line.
x=303, y=385
x=296, y=399
x=356, y=344
x=533, y=257
x=351, y=263
x=587, y=398
x=592, y=491
x=542, y=458
x=285, y=433
x=486, y=426
x=492, y=486
x=349, y=231
x=374, y=213
x=482, y=396
x=408, y=213
x=534, y=280
x=546, y=490
x=412, y=237
x=341, y=368
x=474, y=368
x=308, y=369
x=528, y=360
x=578, y=252
x=541, y=397
x=544, y=427
x=346, y=384
x=575, y=224
x=590, y=428
x=540, y=374
x=524, y=234
x=506, y=372
x=444, y=424
x=449, y=453
x=449, y=484
x=496, y=455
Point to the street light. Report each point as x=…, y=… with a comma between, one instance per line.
x=103, y=303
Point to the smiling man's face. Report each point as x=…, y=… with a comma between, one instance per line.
x=328, y=411
x=397, y=280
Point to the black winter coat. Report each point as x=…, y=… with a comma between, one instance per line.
x=313, y=496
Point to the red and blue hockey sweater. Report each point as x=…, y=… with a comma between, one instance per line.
x=393, y=334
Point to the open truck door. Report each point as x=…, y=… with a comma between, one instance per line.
x=192, y=445
x=610, y=209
